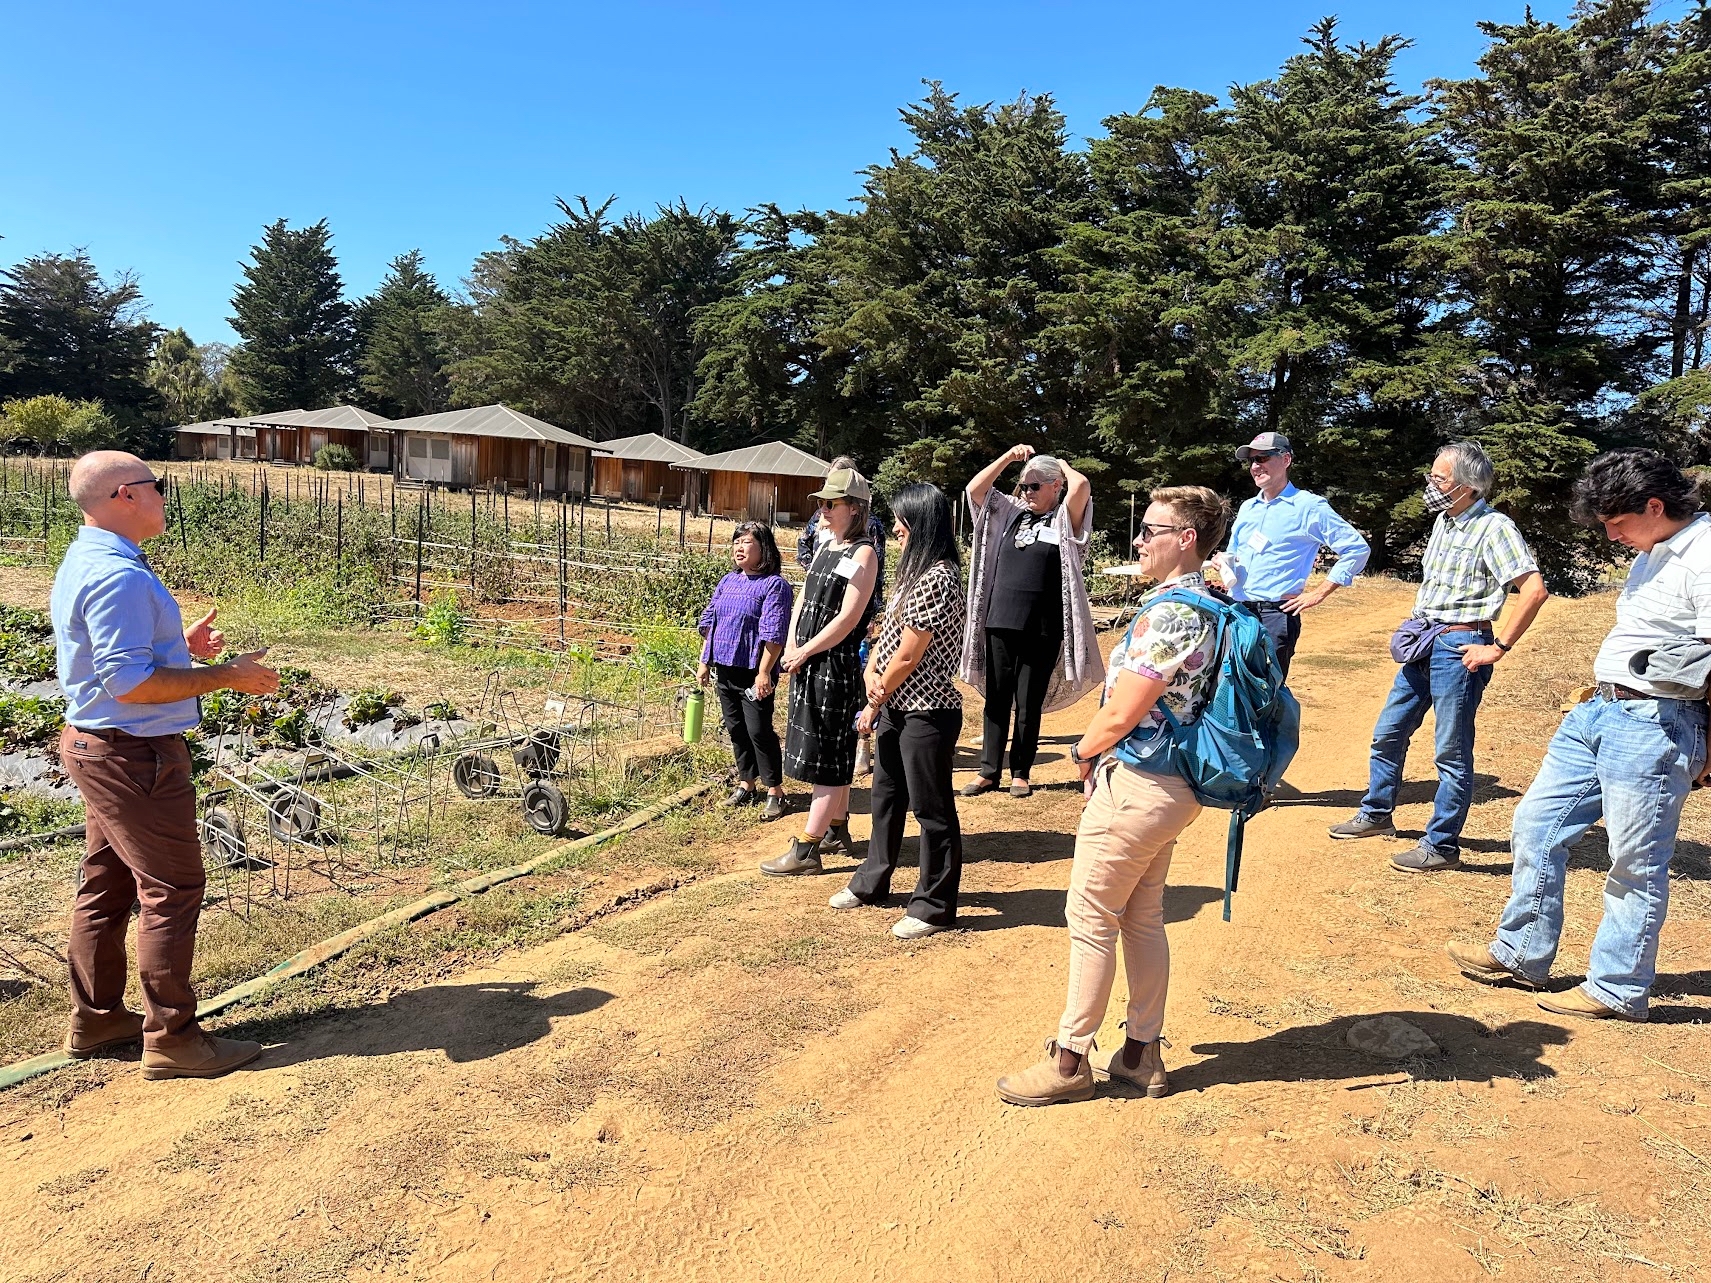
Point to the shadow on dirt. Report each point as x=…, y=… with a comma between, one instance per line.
x=1044, y=908
x=1485, y=789
x=1024, y=846
x=467, y=1022
x=1471, y=1052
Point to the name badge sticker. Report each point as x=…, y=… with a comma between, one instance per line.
x=1258, y=542
x=1049, y=534
x=847, y=567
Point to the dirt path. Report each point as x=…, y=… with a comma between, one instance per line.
x=735, y=1083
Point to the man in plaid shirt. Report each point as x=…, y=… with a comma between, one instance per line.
x=1474, y=557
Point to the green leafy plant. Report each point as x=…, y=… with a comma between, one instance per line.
x=335, y=458
x=26, y=720
x=441, y=711
x=444, y=622
x=370, y=705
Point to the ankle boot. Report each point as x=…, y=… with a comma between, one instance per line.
x=802, y=857
x=838, y=840
x=1148, y=1074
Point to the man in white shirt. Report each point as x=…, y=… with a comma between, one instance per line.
x=1627, y=755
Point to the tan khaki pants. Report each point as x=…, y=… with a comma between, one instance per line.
x=1116, y=888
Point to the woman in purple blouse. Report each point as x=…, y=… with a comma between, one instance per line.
x=744, y=628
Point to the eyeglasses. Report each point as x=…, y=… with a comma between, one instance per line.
x=1029, y=487
x=159, y=483
x=1150, y=531
x=1260, y=456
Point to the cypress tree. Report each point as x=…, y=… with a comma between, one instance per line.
x=296, y=326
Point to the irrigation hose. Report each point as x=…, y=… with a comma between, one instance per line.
x=332, y=947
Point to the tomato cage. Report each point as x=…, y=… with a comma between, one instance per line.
x=519, y=755
x=319, y=818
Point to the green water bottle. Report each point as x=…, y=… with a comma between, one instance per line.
x=694, y=708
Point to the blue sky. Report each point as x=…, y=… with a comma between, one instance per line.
x=163, y=137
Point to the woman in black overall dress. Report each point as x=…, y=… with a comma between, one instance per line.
x=823, y=658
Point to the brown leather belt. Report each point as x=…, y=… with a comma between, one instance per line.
x=1614, y=690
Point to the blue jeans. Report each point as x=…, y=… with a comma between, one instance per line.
x=1440, y=683
x=1629, y=762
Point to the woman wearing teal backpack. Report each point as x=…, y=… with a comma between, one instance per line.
x=1129, y=828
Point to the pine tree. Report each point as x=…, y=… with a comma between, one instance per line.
x=403, y=352
x=1552, y=245
x=68, y=333
x=295, y=324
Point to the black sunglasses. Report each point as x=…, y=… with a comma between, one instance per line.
x=1150, y=531
x=1259, y=455
x=1029, y=487
x=159, y=483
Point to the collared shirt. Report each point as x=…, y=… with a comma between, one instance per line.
x=114, y=623
x=1274, y=543
x=1470, y=562
x=747, y=612
x=1668, y=595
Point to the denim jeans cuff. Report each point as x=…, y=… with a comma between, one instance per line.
x=1367, y=813
x=1598, y=993
x=1509, y=958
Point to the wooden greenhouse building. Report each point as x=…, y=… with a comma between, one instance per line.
x=294, y=436
x=491, y=445
x=644, y=469
x=766, y=482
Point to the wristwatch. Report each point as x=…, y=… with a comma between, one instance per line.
x=1075, y=754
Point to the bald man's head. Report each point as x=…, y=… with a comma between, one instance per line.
x=97, y=474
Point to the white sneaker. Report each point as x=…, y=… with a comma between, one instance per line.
x=914, y=929
x=845, y=899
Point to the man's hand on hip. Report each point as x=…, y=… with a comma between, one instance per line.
x=1307, y=600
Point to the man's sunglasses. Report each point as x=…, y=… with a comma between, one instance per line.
x=159, y=483
x=1259, y=456
x=1150, y=531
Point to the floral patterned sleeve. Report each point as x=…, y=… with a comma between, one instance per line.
x=1164, y=639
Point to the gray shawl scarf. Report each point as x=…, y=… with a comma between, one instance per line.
x=1080, y=667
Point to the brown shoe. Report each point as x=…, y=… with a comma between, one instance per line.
x=204, y=1056
x=95, y=1034
x=1042, y=1083
x=1148, y=1075
x=802, y=857
x=1577, y=1002
x=1477, y=962
x=978, y=785
x=1021, y=788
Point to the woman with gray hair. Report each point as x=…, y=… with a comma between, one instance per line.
x=1028, y=642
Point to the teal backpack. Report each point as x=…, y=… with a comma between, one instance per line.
x=1234, y=754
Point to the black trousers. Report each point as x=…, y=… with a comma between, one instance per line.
x=912, y=755
x=1285, y=630
x=1018, y=669
x=749, y=724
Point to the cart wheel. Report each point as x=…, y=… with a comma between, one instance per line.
x=476, y=775
x=538, y=754
x=545, y=808
x=224, y=837
x=293, y=814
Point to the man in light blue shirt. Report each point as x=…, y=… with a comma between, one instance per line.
x=124, y=659
x=1275, y=540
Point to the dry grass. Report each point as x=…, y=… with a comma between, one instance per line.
x=1207, y=1194
x=62, y=1191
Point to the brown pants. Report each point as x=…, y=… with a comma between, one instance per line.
x=141, y=848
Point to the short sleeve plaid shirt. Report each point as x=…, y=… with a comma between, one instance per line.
x=1470, y=562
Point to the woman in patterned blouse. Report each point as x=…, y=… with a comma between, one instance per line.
x=1133, y=817
x=915, y=712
